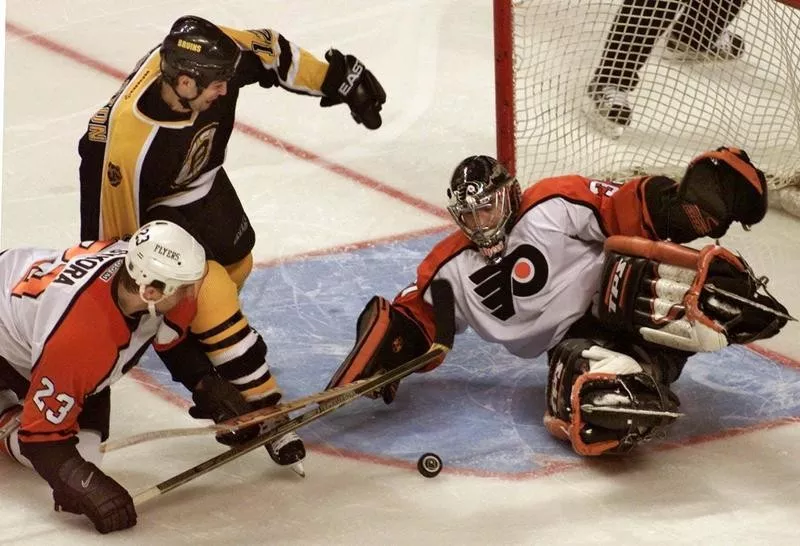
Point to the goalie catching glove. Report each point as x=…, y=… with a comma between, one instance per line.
x=349, y=81
x=678, y=297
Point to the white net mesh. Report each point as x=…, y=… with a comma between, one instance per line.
x=716, y=75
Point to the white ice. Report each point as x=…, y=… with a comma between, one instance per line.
x=434, y=57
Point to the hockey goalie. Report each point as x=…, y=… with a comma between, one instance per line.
x=596, y=276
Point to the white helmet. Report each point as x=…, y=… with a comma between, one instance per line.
x=165, y=252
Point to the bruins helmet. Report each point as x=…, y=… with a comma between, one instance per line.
x=199, y=49
x=484, y=200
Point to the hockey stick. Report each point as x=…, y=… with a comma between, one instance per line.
x=444, y=319
x=345, y=396
x=257, y=417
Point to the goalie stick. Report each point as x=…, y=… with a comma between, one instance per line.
x=444, y=319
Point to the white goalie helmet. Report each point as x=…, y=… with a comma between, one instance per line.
x=165, y=252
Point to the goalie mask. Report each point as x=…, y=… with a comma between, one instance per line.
x=483, y=200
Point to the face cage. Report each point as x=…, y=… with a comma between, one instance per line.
x=490, y=239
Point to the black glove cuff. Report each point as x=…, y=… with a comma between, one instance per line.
x=48, y=458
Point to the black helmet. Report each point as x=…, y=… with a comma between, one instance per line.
x=200, y=50
x=482, y=183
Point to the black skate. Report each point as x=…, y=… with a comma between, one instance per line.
x=288, y=450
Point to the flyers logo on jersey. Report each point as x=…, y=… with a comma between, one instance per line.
x=522, y=273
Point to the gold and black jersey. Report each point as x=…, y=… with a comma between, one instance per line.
x=137, y=153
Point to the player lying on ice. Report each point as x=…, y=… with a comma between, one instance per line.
x=581, y=269
x=72, y=323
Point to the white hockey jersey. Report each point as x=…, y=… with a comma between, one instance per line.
x=550, y=272
x=61, y=328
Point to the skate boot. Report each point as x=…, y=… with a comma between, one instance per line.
x=611, y=102
x=728, y=46
x=288, y=450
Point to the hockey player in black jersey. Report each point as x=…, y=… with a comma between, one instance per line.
x=156, y=151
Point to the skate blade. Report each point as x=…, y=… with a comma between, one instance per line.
x=298, y=469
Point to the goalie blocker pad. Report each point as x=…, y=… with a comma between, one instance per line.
x=385, y=339
x=666, y=294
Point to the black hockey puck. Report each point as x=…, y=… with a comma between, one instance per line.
x=429, y=465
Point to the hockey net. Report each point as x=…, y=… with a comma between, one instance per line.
x=548, y=51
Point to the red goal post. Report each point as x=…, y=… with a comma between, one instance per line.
x=547, y=52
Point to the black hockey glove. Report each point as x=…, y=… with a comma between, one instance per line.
x=85, y=489
x=217, y=399
x=349, y=81
x=718, y=188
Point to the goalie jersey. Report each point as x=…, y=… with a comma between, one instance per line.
x=550, y=272
x=61, y=328
x=137, y=153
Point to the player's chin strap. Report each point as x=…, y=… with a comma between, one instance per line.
x=494, y=253
x=181, y=100
x=151, y=304
x=184, y=101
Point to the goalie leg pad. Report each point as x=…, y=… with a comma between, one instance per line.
x=583, y=373
x=385, y=339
